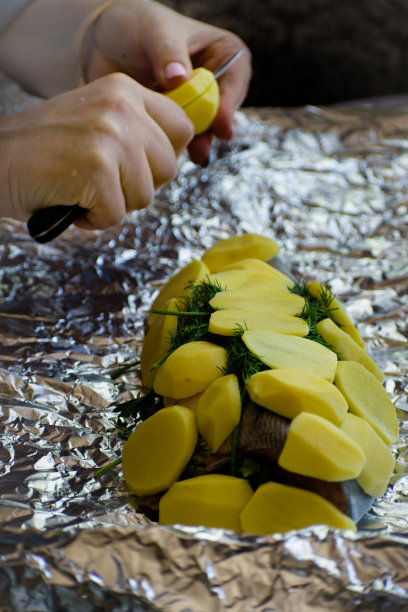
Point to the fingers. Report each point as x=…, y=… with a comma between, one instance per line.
x=106, y=146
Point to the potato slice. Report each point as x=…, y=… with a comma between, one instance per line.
x=317, y=448
x=177, y=285
x=252, y=265
x=203, y=109
x=158, y=450
x=376, y=473
x=277, y=508
x=259, y=300
x=285, y=351
x=226, y=322
x=289, y=392
x=347, y=348
x=199, y=97
x=211, y=500
x=190, y=369
x=338, y=314
x=157, y=342
x=367, y=398
x=219, y=410
x=235, y=248
x=237, y=279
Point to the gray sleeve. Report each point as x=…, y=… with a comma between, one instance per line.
x=9, y=9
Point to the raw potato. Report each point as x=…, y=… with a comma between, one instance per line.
x=289, y=392
x=190, y=369
x=259, y=300
x=226, y=322
x=177, y=286
x=219, y=410
x=210, y=500
x=376, y=473
x=158, y=450
x=367, y=398
x=199, y=97
x=257, y=266
x=277, y=508
x=235, y=248
x=338, y=314
x=237, y=279
x=157, y=342
x=347, y=348
x=284, y=351
x=317, y=448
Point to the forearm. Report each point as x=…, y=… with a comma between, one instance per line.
x=38, y=48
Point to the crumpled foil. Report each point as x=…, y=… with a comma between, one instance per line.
x=331, y=186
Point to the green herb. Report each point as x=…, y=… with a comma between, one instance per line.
x=315, y=310
x=137, y=409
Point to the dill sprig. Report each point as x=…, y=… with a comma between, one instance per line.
x=315, y=310
x=195, y=327
x=135, y=410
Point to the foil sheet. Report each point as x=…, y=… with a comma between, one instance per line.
x=330, y=185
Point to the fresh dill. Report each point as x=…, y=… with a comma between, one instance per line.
x=315, y=310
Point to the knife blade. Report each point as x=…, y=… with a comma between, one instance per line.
x=48, y=223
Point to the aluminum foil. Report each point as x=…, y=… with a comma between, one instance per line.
x=331, y=186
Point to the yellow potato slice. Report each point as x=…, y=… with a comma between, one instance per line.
x=252, y=265
x=158, y=450
x=199, y=97
x=219, y=410
x=157, y=342
x=317, y=448
x=347, y=348
x=285, y=351
x=277, y=508
x=235, y=248
x=367, y=398
x=289, y=392
x=377, y=470
x=259, y=300
x=202, y=110
x=244, y=279
x=190, y=369
x=177, y=285
x=210, y=500
x=226, y=322
x=338, y=313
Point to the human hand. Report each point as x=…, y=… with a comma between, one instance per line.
x=105, y=146
x=153, y=44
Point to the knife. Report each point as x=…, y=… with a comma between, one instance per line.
x=48, y=223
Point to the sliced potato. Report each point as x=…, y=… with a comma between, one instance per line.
x=338, y=313
x=235, y=248
x=211, y=500
x=158, y=450
x=190, y=369
x=289, y=392
x=219, y=410
x=236, y=279
x=226, y=322
x=259, y=300
x=285, y=351
x=347, y=348
x=177, y=285
x=316, y=447
x=377, y=470
x=367, y=398
x=157, y=342
x=277, y=508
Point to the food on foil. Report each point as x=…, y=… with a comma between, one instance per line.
x=263, y=411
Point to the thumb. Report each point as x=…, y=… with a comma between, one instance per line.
x=170, y=59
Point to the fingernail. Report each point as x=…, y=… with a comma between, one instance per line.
x=174, y=69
